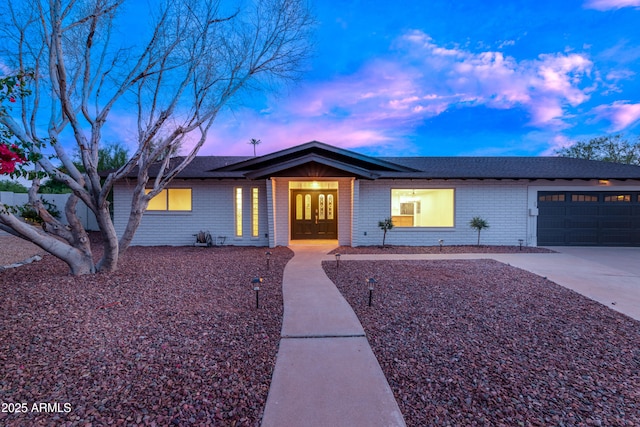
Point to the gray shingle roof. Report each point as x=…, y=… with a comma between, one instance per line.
x=220, y=167
x=513, y=168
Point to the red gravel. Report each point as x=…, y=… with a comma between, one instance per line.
x=481, y=343
x=171, y=338
x=453, y=249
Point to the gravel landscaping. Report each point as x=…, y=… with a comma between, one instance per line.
x=16, y=250
x=477, y=342
x=172, y=338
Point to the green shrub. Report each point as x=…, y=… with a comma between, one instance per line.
x=27, y=212
x=478, y=224
x=385, y=225
x=12, y=186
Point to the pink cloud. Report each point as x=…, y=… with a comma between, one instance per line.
x=543, y=86
x=603, y=5
x=387, y=99
x=621, y=114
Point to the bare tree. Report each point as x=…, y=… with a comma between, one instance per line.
x=197, y=56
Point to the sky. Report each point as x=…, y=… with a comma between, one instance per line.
x=445, y=78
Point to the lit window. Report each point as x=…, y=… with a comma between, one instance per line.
x=238, y=205
x=618, y=198
x=254, y=212
x=170, y=199
x=422, y=207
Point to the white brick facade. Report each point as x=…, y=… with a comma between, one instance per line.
x=212, y=210
x=502, y=203
x=509, y=206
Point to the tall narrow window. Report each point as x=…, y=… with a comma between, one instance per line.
x=239, y=212
x=299, y=208
x=330, y=206
x=254, y=212
x=321, y=207
x=307, y=206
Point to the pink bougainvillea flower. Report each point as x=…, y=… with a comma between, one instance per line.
x=9, y=158
x=12, y=99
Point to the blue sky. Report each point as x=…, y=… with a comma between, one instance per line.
x=453, y=78
x=444, y=78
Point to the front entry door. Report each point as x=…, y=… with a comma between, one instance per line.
x=314, y=214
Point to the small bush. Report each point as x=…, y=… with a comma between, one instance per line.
x=385, y=225
x=478, y=224
x=27, y=212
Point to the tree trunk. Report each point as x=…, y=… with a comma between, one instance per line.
x=79, y=261
x=135, y=217
x=478, y=238
x=110, y=256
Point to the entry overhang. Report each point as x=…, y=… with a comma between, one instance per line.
x=299, y=163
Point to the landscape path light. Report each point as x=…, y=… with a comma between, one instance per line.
x=520, y=242
x=268, y=255
x=256, y=287
x=441, y=242
x=337, y=261
x=371, y=284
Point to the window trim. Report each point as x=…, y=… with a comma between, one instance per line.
x=255, y=212
x=167, y=208
x=419, y=209
x=237, y=211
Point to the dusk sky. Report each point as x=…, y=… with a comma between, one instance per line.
x=454, y=78
x=442, y=77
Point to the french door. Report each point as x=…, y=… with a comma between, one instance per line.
x=314, y=214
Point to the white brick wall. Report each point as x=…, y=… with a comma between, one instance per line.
x=508, y=206
x=212, y=210
x=502, y=203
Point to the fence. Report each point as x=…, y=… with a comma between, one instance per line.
x=86, y=217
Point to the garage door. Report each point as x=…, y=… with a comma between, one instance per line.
x=601, y=218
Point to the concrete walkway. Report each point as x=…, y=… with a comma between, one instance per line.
x=325, y=373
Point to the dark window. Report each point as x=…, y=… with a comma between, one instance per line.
x=583, y=198
x=551, y=198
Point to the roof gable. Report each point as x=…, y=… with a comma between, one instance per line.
x=311, y=154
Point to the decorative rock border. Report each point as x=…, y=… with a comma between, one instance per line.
x=21, y=263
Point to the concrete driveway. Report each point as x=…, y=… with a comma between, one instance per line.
x=610, y=276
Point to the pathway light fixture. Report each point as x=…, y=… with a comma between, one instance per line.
x=268, y=255
x=338, y=261
x=371, y=284
x=256, y=281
